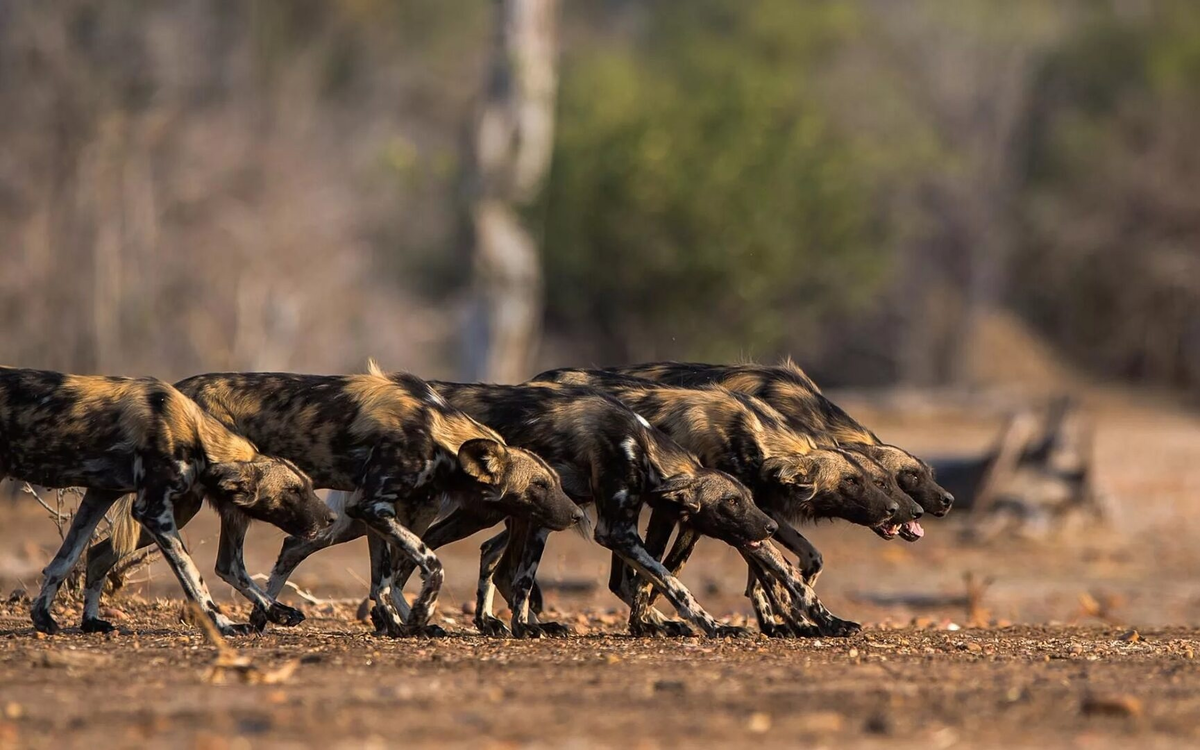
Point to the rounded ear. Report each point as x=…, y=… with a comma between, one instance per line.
x=679, y=491
x=483, y=460
x=793, y=470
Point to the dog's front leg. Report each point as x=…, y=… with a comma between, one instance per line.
x=231, y=567
x=767, y=592
x=638, y=593
x=490, y=553
x=805, y=604
x=773, y=609
x=524, y=625
x=809, y=558
x=459, y=524
x=296, y=550
x=383, y=494
x=616, y=529
x=154, y=510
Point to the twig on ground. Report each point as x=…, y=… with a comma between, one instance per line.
x=308, y=596
x=229, y=663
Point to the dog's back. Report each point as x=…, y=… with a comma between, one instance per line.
x=785, y=387
x=727, y=430
x=329, y=425
x=581, y=431
x=63, y=430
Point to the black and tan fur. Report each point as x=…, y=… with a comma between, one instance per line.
x=610, y=457
x=792, y=479
x=119, y=435
x=787, y=388
x=398, y=447
x=798, y=398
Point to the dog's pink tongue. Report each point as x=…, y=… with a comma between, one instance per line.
x=914, y=528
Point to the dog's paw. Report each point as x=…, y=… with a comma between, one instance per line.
x=281, y=614
x=805, y=630
x=380, y=619
x=776, y=630
x=732, y=631
x=43, y=622
x=660, y=629
x=526, y=630
x=492, y=627
x=259, y=619
x=96, y=625
x=235, y=629
x=834, y=627
x=417, y=631
x=555, y=629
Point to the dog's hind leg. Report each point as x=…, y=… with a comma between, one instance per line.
x=485, y=593
x=91, y=510
x=525, y=625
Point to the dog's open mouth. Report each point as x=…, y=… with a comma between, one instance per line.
x=753, y=545
x=912, y=531
x=887, y=531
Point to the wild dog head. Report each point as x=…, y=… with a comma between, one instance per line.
x=913, y=475
x=716, y=505
x=906, y=523
x=828, y=484
x=518, y=483
x=270, y=489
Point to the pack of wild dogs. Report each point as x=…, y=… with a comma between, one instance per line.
x=744, y=454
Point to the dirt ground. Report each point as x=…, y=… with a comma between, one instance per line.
x=1089, y=639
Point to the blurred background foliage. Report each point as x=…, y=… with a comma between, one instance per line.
x=918, y=192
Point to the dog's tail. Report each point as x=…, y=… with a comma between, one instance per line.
x=125, y=528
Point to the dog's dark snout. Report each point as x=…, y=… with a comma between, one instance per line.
x=892, y=510
x=577, y=515
x=772, y=527
x=331, y=518
x=947, y=500
x=917, y=513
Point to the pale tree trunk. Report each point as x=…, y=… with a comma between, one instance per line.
x=511, y=147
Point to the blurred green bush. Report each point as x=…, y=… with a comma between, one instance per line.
x=701, y=198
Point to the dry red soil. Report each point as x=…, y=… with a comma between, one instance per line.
x=1087, y=641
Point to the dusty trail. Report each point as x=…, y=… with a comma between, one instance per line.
x=1079, y=680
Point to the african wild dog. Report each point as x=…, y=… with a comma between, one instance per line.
x=791, y=478
x=791, y=392
x=393, y=442
x=119, y=435
x=397, y=445
x=609, y=456
x=787, y=388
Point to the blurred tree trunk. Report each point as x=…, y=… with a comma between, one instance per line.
x=509, y=159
